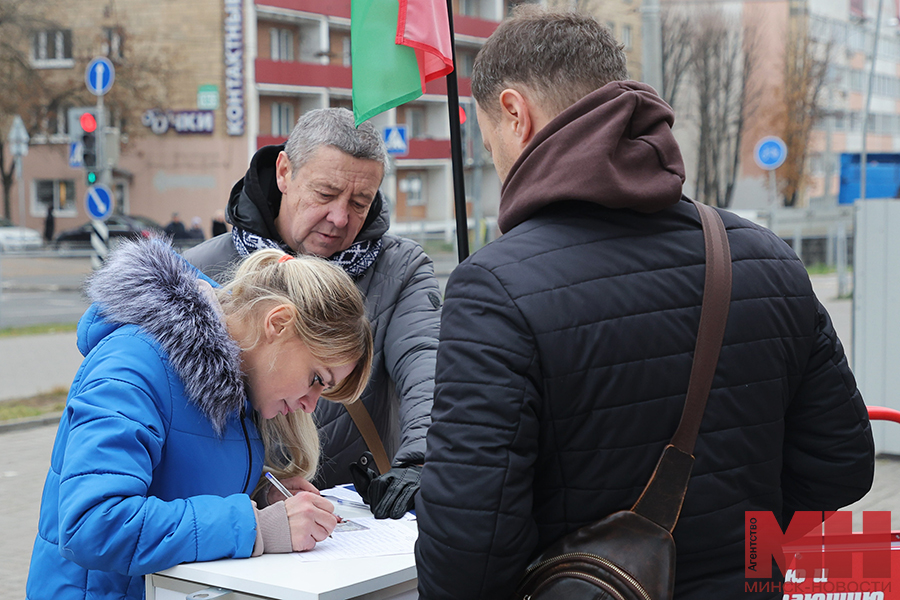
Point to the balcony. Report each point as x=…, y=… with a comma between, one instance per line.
x=462, y=24
x=425, y=149
x=306, y=74
x=332, y=76
x=419, y=149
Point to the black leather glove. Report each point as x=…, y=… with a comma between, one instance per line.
x=389, y=495
x=362, y=473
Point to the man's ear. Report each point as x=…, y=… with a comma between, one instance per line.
x=277, y=322
x=517, y=115
x=283, y=171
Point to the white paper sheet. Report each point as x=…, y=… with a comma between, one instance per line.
x=376, y=537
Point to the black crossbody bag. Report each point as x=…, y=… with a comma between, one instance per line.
x=630, y=555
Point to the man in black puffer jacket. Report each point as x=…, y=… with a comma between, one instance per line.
x=566, y=345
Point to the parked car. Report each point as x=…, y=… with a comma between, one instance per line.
x=120, y=226
x=13, y=238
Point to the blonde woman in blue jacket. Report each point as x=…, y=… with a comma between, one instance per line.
x=182, y=388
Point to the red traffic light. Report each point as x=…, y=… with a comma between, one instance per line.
x=88, y=122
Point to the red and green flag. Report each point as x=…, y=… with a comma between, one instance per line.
x=396, y=47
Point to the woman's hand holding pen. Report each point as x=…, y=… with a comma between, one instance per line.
x=311, y=518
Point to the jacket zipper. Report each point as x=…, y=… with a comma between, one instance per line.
x=606, y=563
x=598, y=582
x=249, y=452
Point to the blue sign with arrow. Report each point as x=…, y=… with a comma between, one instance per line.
x=99, y=76
x=99, y=202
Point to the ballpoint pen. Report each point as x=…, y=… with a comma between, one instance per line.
x=287, y=493
x=278, y=485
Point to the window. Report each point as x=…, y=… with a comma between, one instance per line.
x=414, y=119
x=626, y=36
x=411, y=185
x=56, y=120
x=113, y=44
x=52, y=48
x=345, y=51
x=282, y=119
x=465, y=61
x=469, y=8
x=281, y=44
x=58, y=192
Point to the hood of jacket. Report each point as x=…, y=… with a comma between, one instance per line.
x=145, y=283
x=256, y=200
x=614, y=147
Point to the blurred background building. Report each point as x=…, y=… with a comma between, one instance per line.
x=201, y=86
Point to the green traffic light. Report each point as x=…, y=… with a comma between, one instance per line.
x=91, y=177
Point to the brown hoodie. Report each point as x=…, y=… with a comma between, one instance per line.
x=614, y=147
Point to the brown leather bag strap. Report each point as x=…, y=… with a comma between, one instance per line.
x=713, y=316
x=663, y=496
x=366, y=426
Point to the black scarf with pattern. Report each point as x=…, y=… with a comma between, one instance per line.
x=355, y=260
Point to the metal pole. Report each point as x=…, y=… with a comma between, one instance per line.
x=459, y=191
x=21, y=185
x=863, y=154
x=100, y=136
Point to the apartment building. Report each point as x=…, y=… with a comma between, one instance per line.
x=842, y=34
x=302, y=61
x=234, y=75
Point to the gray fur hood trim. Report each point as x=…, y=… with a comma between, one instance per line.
x=146, y=283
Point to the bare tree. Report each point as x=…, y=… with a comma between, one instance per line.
x=723, y=58
x=19, y=81
x=806, y=62
x=677, y=31
x=41, y=96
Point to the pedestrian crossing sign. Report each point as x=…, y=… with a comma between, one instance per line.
x=396, y=141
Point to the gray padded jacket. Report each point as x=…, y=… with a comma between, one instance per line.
x=403, y=303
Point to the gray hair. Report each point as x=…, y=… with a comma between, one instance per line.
x=334, y=127
x=559, y=56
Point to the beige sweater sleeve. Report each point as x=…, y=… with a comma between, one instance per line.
x=273, y=532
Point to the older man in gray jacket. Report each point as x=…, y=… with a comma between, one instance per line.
x=318, y=194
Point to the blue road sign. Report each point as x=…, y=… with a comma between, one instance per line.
x=99, y=76
x=76, y=155
x=99, y=202
x=396, y=141
x=770, y=152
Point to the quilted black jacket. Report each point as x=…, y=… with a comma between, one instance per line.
x=564, y=360
x=533, y=436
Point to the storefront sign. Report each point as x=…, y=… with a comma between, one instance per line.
x=234, y=67
x=182, y=121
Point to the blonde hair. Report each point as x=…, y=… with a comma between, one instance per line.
x=328, y=315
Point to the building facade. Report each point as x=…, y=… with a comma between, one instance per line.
x=232, y=76
x=201, y=86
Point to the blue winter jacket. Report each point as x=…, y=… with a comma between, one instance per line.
x=156, y=451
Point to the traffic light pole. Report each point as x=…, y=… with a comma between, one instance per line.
x=100, y=232
x=101, y=143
